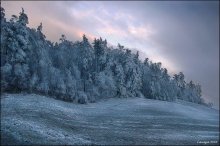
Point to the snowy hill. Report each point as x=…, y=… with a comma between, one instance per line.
x=35, y=119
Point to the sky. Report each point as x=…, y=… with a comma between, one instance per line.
x=183, y=35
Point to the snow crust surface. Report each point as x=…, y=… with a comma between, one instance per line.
x=36, y=119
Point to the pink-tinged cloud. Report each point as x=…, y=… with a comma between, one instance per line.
x=184, y=36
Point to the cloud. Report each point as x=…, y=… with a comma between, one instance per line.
x=184, y=36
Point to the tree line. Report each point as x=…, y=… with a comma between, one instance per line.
x=82, y=71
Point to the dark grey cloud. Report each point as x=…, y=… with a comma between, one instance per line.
x=183, y=35
x=191, y=39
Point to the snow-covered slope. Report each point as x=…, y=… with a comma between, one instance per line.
x=35, y=119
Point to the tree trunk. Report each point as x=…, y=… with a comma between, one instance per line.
x=84, y=86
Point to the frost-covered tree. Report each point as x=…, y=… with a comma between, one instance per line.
x=39, y=28
x=99, y=51
x=180, y=82
x=15, y=52
x=85, y=60
x=3, y=15
x=63, y=38
x=23, y=19
x=80, y=71
x=14, y=18
x=119, y=77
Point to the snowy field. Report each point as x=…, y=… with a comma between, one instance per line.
x=35, y=119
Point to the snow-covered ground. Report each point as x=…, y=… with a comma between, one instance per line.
x=35, y=119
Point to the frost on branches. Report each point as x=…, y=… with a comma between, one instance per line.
x=82, y=71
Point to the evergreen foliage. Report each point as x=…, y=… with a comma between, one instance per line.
x=80, y=71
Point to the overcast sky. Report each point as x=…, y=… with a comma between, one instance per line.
x=183, y=35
